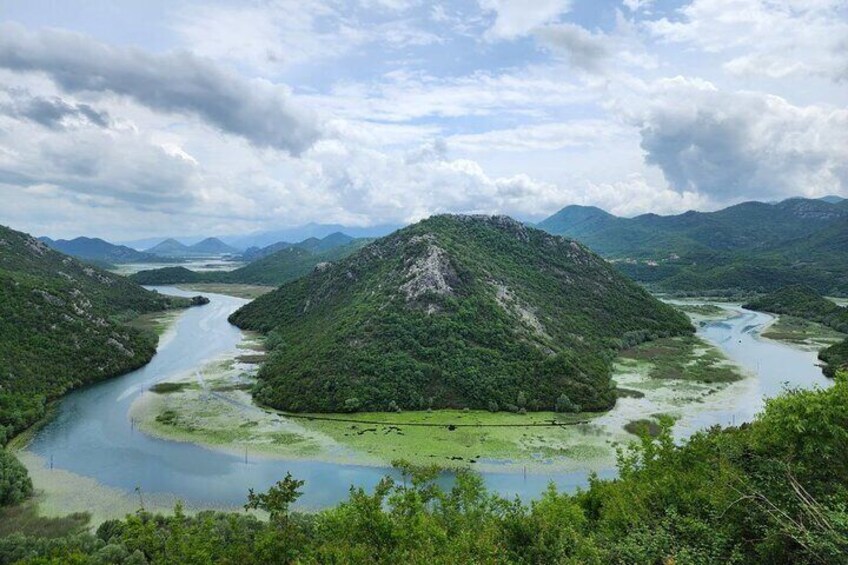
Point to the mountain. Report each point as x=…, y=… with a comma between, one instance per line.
x=753, y=246
x=832, y=199
x=454, y=311
x=62, y=326
x=98, y=250
x=211, y=246
x=169, y=248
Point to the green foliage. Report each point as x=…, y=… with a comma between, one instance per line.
x=518, y=313
x=15, y=484
x=835, y=358
x=771, y=492
x=277, y=501
x=62, y=326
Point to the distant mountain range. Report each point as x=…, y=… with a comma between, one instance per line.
x=312, y=244
x=272, y=265
x=752, y=246
x=98, y=251
x=267, y=238
x=209, y=246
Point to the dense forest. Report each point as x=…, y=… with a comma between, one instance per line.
x=276, y=268
x=750, y=247
x=804, y=302
x=455, y=311
x=62, y=325
x=773, y=492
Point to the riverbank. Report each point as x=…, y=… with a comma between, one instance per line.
x=802, y=333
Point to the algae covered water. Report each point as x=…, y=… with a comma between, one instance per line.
x=93, y=436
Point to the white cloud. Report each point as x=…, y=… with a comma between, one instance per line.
x=514, y=18
x=541, y=137
x=731, y=145
x=585, y=50
x=773, y=38
x=179, y=82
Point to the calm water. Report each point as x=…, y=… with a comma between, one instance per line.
x=92, y=435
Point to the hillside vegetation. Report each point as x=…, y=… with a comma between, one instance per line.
x=804, y=302
x=753, y=246
x=771, y=492
x=455, y=311
x=62, y=326
x=281, y=266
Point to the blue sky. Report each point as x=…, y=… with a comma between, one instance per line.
x=133, y=119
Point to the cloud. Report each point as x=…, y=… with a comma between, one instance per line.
x=267, y=37
x=542, y=137
x=52, y=112
x=514, y=18
x=764, y=37
x=261, y=112
x=99, y=165
x=730, y=145
x=585, y=50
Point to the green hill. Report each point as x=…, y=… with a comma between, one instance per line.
x=62, y=326
x=455, y=311
x=753, y=246
x=275, y=269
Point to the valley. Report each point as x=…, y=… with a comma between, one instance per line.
x=190, y=442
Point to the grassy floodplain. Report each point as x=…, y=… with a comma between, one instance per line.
x=802, y=333
x=214, y=407
x=248, y=291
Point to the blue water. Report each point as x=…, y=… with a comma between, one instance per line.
x=93, y=436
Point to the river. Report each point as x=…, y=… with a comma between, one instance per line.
x=92, y=436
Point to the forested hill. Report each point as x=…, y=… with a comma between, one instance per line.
x=61, y=326
x=275, y=269
x=455, y=311
x=804, y=302
x=752, y=246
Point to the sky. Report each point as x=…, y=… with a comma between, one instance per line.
x=123, y=119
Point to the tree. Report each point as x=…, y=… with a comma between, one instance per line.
x=521, y=401
x=277, y=500
x=564, y=404
x=352, y=405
